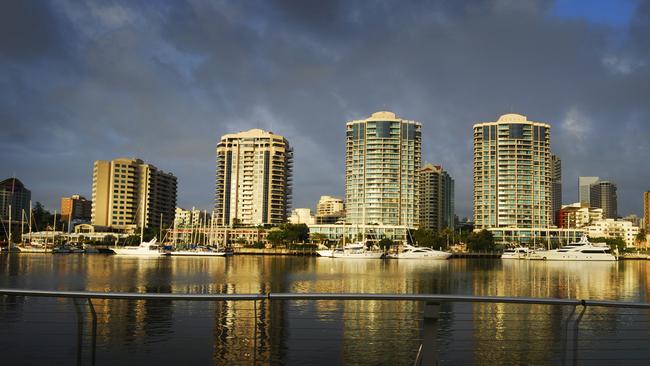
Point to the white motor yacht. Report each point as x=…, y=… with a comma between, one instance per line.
x=199, y=252
x=515, y=253
x=413, y=252
x=580, y=251
x=144, y=249
x=355, y=251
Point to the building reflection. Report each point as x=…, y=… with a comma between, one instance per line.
x=376, y=332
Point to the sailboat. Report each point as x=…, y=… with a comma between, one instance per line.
x=33, y=246
x=199, y=250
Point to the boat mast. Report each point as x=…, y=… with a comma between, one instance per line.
x=53, y=228
x=22, y=226
x=9, y=238
x=30, y=221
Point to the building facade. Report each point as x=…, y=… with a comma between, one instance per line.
x=329, y=205
x=129, y=193
x=512, y=173
x=602, y=194
x=192, y=218
x=14, y=195
x=646, y=212
x=382, y=162
x=76, y=207
x=579, y=215
x=610, y=228
x=436, y=198
x=556, y=187
x=302, y=216
x=584, y=188
x=254, y=179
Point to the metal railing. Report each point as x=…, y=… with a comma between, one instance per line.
x=430, y=312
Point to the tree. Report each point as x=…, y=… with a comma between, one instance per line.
x=480, y=241
x=640, y=237
x=424, y=237
x=41, y=218
x=241, y=241
x=318, y=238
x=385, y=244
x=276, y=237
x=614, y=243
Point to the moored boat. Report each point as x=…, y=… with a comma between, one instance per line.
x=415, y=252
x=515, y=253
x=583, y=250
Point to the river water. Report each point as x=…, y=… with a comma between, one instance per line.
x=35, y=330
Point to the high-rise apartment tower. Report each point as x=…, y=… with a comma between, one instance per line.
x=512, y=173
x=382, y=163
x=129, y=193
x=602, y=194
x=254, y=179
x=584, y=186
x=556, y=188
x=436, y=198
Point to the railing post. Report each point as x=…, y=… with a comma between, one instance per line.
x=572, y=332
x=80, y=328
x=94, y=331
x=429, y=355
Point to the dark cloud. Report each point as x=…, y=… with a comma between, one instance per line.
x=162, y=81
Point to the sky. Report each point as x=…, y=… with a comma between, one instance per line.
x=85, y=80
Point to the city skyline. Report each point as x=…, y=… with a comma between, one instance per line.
x=112, y=81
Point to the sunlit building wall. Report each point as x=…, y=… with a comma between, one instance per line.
x=512, y=173
x=254, y=178
x=382, y=162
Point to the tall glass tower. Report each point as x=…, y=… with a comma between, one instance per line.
x=512, y=173
x=382, y=162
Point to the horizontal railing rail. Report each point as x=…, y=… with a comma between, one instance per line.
x=431, y=312
x=323, y=296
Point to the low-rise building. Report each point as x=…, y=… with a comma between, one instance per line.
x=373, y=233
x=190, y=218
x=578, y=215
x=533, y=237
x=611, y=228
x=302, y=216
x=328, y=205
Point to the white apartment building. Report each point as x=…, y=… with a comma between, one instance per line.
x=254, y=172
x=382, y=163
x=302, y=216
x=611, y=228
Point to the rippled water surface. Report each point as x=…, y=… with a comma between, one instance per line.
x=36, y=330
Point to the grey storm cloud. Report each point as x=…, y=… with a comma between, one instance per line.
x=88, y=80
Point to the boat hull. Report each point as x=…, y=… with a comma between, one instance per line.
x=427, y=256
x=572, y=257
x=190, y=253
x=137, y=252
x=325, y=253
x=366, y=255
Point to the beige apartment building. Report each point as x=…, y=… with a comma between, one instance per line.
x=512, y=173
x=128, y=193
x=328, y=205
x=579, y=215
x=382, y=163
x=254, y=178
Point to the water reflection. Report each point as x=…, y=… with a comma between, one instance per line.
x=296, y=332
